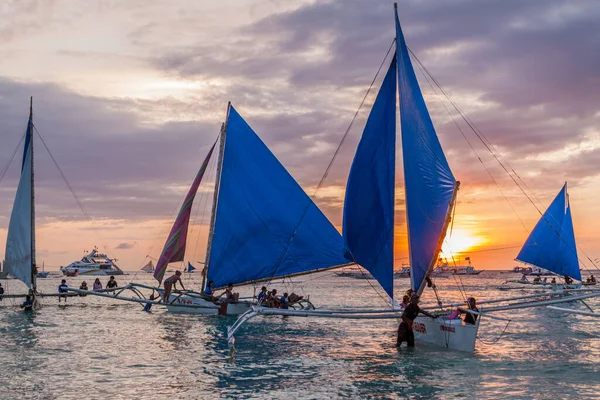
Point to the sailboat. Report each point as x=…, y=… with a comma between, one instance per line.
x=20, y=242
x=430, y=191
x=149, y=267
x=263, y=225
x=189, y=268
x=551, y=245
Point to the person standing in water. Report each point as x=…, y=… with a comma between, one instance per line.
x=27, y=304
x=97, y=285
x=170, y=283
x=405, y=330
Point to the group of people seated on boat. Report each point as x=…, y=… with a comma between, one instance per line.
x=271, y=300
x=591, y=279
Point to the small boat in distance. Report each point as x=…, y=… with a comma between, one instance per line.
x=94, y=263
x=354, y=272
x=452, y=268
x=522, y=270
x=148, y=267
x=551, y=247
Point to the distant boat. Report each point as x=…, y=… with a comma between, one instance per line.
x=42, y=273
x=354, y=272
x=95, y=263
x=149, y=267
x=551, y=244
x=451, y=268
x=189, y=268
x=522, y=270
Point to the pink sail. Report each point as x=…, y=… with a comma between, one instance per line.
x=174, y=249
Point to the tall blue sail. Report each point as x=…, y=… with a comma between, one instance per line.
x=429, y=183
x=551, y=245
x=19, y=254
x=368, y=226
x=260, y=209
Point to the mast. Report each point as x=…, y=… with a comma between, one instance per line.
x=213, y=213
x=441, y=239
x=33, y=266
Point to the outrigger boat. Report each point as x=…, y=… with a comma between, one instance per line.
x=263, y=227
x=256, y=208
x=430, y=190
x=20, y=262
x=551, y=247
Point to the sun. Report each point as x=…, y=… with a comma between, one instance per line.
x=460, y=242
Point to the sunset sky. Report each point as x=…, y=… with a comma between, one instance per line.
x=130, y=95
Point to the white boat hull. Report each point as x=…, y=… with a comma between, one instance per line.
x=452, y=334
x=203, y=306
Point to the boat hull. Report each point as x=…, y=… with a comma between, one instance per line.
x=196, y=305
x=452, y=334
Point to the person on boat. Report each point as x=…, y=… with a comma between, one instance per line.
x=97, y=285
x=209, y=292
x=545, y=280
x=591, y=279
x=536, y=279
x=1, y=291
x=229, y=295
x=405, y=329
x=568, y=280
x=524, y=279
x=272, y=299
x=27, y=304
x=262, y=296
x=63, y=288
x=170, y=282
x=553, y=280
x=285, y=302
x=83, y=286
x=471, y=318
x=405, y=301
x=112, y=283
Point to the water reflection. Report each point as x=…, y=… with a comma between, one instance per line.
x=115, y=350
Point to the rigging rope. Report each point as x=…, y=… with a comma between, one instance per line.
x=75, y=196
x=505, y=166
x=12, y=156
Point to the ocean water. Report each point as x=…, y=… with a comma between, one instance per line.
x=96, y=348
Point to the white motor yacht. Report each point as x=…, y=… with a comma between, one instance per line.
x=94, y=263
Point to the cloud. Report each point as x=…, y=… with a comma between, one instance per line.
x=125, y=246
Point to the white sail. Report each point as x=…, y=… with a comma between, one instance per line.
x=148, y=267
x=19, y=249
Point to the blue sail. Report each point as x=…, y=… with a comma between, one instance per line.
x=190, y=267
x=19, y=251
x=266, y=226
x=551, y=245
x=368, y=226
x=429, y=183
